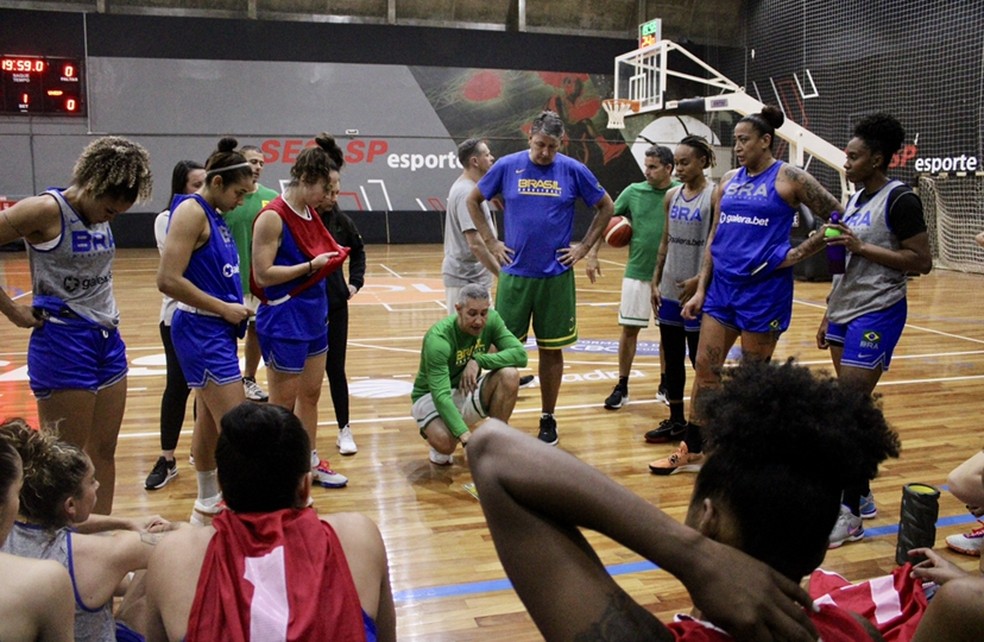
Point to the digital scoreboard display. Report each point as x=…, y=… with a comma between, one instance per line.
x=39, y=85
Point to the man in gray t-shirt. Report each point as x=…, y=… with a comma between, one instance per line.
x=462, y=242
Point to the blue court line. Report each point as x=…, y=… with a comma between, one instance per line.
x=491, y=586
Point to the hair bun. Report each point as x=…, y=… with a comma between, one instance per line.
x=227, y=144
x=327, y=142
x=773, y=115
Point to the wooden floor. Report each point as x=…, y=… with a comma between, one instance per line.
x=446, y=577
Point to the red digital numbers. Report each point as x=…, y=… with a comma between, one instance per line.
x=41, y=85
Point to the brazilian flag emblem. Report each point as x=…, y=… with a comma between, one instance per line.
x=872, y=337
x=774, y=324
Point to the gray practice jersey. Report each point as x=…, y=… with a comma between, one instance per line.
x=75, y=268
x=29, y=540
x=460, y=267
x=687, y=229
x=867, y=286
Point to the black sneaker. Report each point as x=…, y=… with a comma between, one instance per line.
x=617, y=399
x=526, y=380
x=163, y=472
x=548, y=430
x=668, y=430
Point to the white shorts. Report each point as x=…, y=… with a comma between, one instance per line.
x=636, y=307
x=470, y=406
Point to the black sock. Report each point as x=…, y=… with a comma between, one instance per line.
x=693, y=439
x=676, y=412
x=623, y=384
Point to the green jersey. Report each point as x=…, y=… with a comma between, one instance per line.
x=643, y=204
x=240, y=222
x=445, y=354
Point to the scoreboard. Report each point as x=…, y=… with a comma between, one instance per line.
x=41, y=85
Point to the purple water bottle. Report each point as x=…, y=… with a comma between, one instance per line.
x=836, y=254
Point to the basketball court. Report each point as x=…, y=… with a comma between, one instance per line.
x=445, y=575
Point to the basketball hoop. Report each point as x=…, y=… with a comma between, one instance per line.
x=617, y=108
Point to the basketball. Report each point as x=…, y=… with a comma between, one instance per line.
x=619, y=231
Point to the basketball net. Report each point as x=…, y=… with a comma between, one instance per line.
x=617, y=108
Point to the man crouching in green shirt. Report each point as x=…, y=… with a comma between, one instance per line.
x=451, y=393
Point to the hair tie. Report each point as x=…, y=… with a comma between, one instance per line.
x=222, y=169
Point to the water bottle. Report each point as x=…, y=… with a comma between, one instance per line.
x=836, y=254
x=917, y=520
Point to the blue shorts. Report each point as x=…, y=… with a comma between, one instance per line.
x=71, y=353
x=289, y=355
x=761, y=306
x=669, y=314
x=206, y=348
x=870, y=339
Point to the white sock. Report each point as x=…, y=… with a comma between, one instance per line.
x=208, y=484
x=314, y=459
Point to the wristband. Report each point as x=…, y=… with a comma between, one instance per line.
x=310, y=267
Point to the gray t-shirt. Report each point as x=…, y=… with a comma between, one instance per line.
x=460, y=267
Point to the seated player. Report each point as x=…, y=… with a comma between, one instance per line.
x=956, y=612
x=59, y=493
x=35, y=595
x=451, y=393
x=268, y=568
x=780, y=455
x=966, y=483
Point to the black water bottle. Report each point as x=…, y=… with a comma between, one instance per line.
x=836, y=254
x=917, y=520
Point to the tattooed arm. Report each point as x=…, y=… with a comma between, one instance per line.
x=798, y=187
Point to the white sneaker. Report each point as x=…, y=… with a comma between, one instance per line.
x=345, y=442
x=325, y=476
x=440, y=459
x=206, y=509
x=847, y=529
x=253, y=390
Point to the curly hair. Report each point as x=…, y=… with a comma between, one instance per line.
x=783, y=444
x=318, y=162
x=262, y=453
x=9, y=467
x=703, y=148
x=766, y=121
x=53, y=471
x=115, y=167
x=881, y=133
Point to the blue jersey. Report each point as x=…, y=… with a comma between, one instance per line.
x=214, y=267
x=539, y=202
x=303, y=316
x=752, y=237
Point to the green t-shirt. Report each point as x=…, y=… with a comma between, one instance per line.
x=240, y=222
x=643, y=204
x=445, y=353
